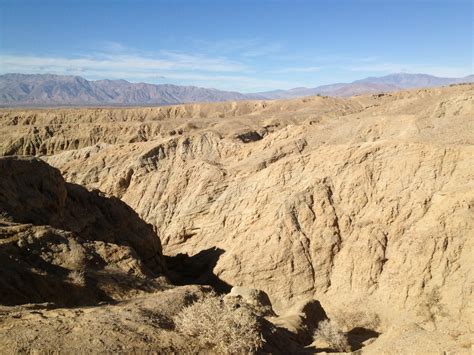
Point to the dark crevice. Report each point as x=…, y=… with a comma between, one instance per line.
x=183, y=269
x=358, y=336
x=249, y=137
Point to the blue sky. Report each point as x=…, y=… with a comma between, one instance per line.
x=237, y=45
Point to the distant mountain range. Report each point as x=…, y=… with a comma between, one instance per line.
x=58, y=90
x=63, y=90
x=386, y=83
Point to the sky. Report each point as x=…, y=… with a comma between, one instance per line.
x=238, y=45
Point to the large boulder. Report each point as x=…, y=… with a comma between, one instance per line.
x=257, y=299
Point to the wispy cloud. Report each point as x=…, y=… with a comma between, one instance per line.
x=113, y=46
x=130, y=63
x=245, y=48
x=262, y=50
x=298, y=70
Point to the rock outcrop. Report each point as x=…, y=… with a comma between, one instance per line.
x=64, y=244
x=82, y=272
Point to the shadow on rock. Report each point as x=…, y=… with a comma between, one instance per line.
x=32, y=192
x=358, y=336
x=197, y=269
x=29, y=278
x=62, y=243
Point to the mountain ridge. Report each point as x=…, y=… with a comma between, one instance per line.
x=391, y=82
x=42, y=90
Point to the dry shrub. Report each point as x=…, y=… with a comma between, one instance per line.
x=432, y=308
x=349, y=320
x=328, y=332
x=76, y=255
x=77, y=277
x=218, y=326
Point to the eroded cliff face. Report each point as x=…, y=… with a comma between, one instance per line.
x=61, y=243
x=82, y=272
x=365, y=203
x=45, y=132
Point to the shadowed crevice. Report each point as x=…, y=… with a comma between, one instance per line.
x=358, y=336
x=249, y=137
x=183, y=269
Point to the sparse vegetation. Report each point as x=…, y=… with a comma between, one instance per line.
x=432, y=308
x=328, y=332
x=77, y=277
x=349, y=320
x=221, y=327
x=76, y=254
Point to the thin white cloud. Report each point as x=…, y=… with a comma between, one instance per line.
x=227, y=46
x=126, y=63
x=298, y=70
x=113, y=46
x=262, y=50
x=204, y=63
x=245, y=48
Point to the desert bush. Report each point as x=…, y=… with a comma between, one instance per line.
x=328, y=333
x=218, y=326
x=76, y=255
x=77, y=277
x=349, y=320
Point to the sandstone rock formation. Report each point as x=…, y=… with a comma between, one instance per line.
x=81, y=272
x=362, y=203
x=61, y=243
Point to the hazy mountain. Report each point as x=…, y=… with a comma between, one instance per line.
x=63, y=90
x=406, y=81
x=390, y=82
x=53, y=90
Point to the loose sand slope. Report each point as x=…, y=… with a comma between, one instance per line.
x=364, y=203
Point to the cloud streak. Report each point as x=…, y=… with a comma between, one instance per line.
x=245, y=48
x=129, y=63
x=298, y=70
